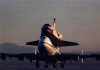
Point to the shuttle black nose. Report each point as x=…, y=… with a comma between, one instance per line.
x=74, y=43
x=77, y=44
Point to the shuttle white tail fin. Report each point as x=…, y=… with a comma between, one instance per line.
x=54, y=23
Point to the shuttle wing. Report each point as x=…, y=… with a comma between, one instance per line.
x=68, y=43
x=57, y=42
x=33, y=43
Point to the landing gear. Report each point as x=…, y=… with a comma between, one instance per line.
x=46, y=66
x=55, y=66
x=71, y=60
x=62, y=65
x=37, y=64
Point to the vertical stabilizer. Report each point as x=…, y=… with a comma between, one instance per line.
x=54, y=30
x=54, y=23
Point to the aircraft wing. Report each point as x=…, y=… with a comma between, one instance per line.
x=64, y=57
x=95, y=56
x=59, y=56
x=21, y=56
x=76, y=57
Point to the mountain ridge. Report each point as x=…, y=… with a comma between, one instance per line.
x=13, y=48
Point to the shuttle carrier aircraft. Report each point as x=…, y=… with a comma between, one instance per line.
x=48, y=47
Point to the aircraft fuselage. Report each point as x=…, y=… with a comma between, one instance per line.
x=45, y=46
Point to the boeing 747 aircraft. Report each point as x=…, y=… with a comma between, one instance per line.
x=48, y=47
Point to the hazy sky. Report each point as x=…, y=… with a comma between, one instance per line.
x=76, y=20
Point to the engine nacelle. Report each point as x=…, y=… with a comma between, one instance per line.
x=21, y=57
x=3, y=56
x=76, y=58
x=85, y=58
x=98, y=57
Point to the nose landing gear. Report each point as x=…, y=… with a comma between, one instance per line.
x=62, y=64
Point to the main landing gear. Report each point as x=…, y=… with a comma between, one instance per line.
x=54, y=66
x=46, y=66
x=62, y=64
x=37, y=64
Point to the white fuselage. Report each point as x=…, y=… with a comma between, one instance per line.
x=46, y=46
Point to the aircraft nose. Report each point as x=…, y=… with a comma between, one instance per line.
x=47, y=26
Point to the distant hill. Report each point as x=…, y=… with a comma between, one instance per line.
x=13, y=48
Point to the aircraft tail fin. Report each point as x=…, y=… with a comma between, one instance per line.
x=54, y=22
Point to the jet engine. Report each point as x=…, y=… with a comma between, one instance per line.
x=76, y=58
x=21, y=57
x=3, y=56
x=98, y=57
